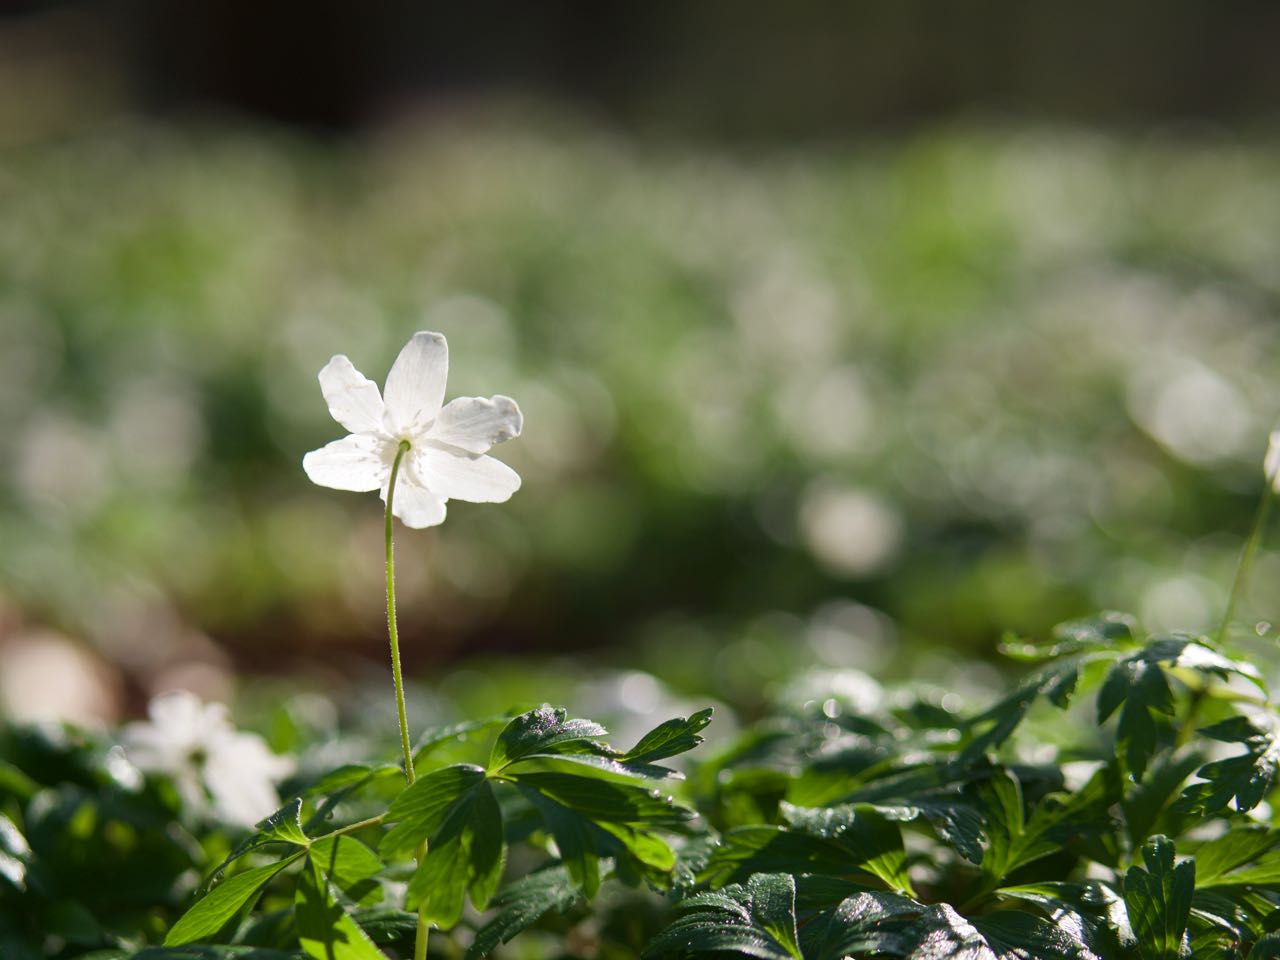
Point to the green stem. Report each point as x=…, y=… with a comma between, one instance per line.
x=424, y=930
x=391, y=619
x=1246, y=557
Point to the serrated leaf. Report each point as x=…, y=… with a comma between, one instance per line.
x=1015, y=935
x=537, y=730
x=1139, y=684
x=350, y=866
x=1159, y=900
x=991, y=728
x=669, y=739
x=604, y=800
x=602, y=758
x=1243, y=781
x=862, y=924
x=1015, y=840
x=522, y=904
x=773, y=902
x=1090, y=912
x=283, y=826
x=325, y=930
x=872, y=840
x=733, y=920
x=421, y=807
x=465, y=854
x=213, y=911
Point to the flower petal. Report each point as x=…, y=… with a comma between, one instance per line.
x=354, y=400
x=414, y=504
x=475, y=424
x=455, y=476
x=415, y=385
x=355, y=463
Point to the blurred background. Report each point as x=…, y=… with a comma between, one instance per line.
x=848, y=336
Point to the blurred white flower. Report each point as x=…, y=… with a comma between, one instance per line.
x=217, y=769
x=446, y=457
x=1271, y=464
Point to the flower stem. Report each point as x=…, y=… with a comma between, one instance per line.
x=1247, y=554
x=424, y=930
x=391, y=619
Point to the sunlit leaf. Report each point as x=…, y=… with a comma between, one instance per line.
x=215, y=909
x=1159, y=900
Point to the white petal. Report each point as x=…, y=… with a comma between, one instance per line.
x=415, y=385
x=353, y=398
x=475, y=424
x=456, y=476
x=414, y=504
x=356, y=463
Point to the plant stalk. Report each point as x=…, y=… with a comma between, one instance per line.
x=392, y=629
x=424, y=930
x=1247, y=554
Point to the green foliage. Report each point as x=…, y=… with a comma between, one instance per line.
x=1088, y=815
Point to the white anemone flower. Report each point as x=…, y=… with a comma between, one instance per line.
x=447, y=442
x=218, y=770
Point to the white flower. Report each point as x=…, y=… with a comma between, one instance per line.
x=1271, y=465
x=447, y=444
x=217, y=769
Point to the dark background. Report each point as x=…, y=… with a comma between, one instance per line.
x=715, y=68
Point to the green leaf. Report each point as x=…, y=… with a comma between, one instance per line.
x=757, y=921
x=870, y=924
x=873, y=842
x=467, y=853
x=283, y=826
x=437, y=736
x=350, y=776
x=325, y=930
x=212, y=912
x=575, y=839
x=773, y=901
x=1103, y=633
x=1243, y=781
x=669, y=739
x=1139, y=683
x=536, y=731
x=1015, y=935
x=877, y=851
x=522, y=904
x=603, y=799
x=991, y=728
x=600, y=757
x=387, y=926
x=1159, y=900
x=1268, y=948
x=351, y=866
x=1090, y=910
x=202, y=951
x=421, y=807
x=1056, y=819
x=1216, y=859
